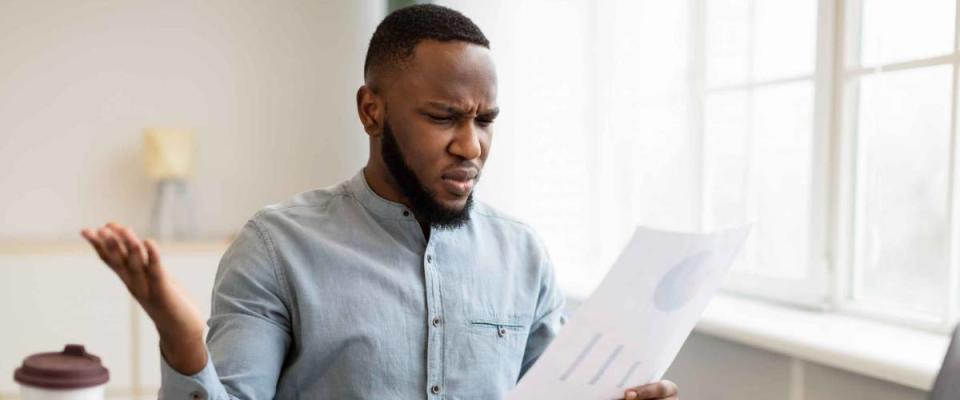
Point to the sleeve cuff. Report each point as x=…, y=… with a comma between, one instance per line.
x=177, y=386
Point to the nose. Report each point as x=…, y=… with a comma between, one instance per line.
x=466, y=142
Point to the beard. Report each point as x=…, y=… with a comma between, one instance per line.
x=422, y=200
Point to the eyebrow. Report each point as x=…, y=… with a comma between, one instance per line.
x=458, y=111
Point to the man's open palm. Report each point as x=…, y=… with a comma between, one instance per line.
x=138, y=265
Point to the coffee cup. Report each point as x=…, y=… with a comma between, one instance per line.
x=72, y=374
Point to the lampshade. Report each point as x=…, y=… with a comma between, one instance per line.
x=167, y=152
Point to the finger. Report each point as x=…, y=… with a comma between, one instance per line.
x=115, y=253
x=657, y=390
x=95, y=243
x=135, y=258
x=100, y=247
x=114, y=229
x=153, y=259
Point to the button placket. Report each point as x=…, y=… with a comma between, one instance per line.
x=435, y=332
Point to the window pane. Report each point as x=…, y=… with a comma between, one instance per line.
x=759, y=152
x=727, y=147
x=727, y=41
x=644, y=30
x=783, y=132
x=898, y=30
x=904, y=139
x=785, y=37
x=759, y=40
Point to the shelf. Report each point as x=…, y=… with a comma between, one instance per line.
x=79, y=246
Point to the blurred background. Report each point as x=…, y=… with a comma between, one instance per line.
x=829, y=124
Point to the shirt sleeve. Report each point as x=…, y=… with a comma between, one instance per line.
x=250, y=328
x=549, y=317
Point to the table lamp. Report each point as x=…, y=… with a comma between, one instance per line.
x=167, y=155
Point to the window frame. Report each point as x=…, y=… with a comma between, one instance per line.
x=849, y=194
x=837, y=195
x=813, y=291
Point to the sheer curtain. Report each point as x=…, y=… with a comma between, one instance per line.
x=594, y=135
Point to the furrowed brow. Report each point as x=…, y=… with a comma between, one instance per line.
x=449, y=108
x=491, y=113
x=446, y=108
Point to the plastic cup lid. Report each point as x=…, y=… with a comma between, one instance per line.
x=73, y=368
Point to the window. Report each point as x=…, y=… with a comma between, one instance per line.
x=829, y=124
x=899, y=83
x=759, y=141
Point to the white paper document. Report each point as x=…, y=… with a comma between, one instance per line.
x=629, y=331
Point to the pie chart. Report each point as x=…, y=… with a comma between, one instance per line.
x=682, y=282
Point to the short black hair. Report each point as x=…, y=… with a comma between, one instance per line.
x=399, y=33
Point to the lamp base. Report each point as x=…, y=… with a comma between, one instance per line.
x=172, y=216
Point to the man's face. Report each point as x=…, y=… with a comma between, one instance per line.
x=437, y=130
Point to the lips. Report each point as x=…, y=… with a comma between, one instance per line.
x=459, y=181
x=460, y=174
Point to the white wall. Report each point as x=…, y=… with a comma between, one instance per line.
x=717, y=369
x=268, y=86
x=53, y=296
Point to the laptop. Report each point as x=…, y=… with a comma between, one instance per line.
x=947, y=385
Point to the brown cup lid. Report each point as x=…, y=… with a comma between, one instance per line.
x=73, y=368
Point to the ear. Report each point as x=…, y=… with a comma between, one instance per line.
x=370, y=110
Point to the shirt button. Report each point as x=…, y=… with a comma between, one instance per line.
x=406, y=213
x=502, y=332
x=435, y=389
x=196, y=395
x=436, y=321
x=429, y=258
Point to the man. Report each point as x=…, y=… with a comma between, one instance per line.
x=393, y=284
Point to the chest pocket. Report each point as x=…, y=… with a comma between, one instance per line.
x=505, y=331
x=498, y=344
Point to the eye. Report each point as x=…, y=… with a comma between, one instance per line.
x=440, y=119
x=484, y=121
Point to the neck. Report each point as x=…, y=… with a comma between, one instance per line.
x=382, y=183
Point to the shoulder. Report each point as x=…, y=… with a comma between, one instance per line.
x=486, y=214
x=316, y=200
x=302, y=207
x=510, y=227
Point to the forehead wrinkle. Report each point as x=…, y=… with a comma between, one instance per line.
x=455, y=90
x=461, y=109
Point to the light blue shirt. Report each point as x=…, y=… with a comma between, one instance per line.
x=336, y=294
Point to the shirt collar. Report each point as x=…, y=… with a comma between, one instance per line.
x=360, y=190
